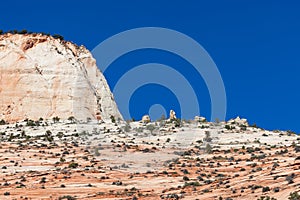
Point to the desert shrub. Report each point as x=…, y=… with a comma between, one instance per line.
x=127, y=128
x=67, y=197
x=207, y=137
x=165, y=172
x=194, y=183
x=163, y=117
x=208, y=148
x=43, y=180
x=266, y=198
x=97, y=152
x=56, y=36
x=256, y=141
x=177, y=122
x=2, y=122
x=112, y=118
x=228, y=127
x=30, y=123
x=290, y=178
x=294, y=196
x=73, y=165
x=250, y=150
x=150, y=127
x=208, y=181
x=56, y=119
x=72, y=119
x=60, y=134
x=254, y=125
x=265, y=189
x=6, y=193
x=254, y=187
x=275, y=164
x=24, y=31
x=134, y=198
x=281, y=152
x=205, y=190
x=117, y=183
x=243, y=127
x=289, y=133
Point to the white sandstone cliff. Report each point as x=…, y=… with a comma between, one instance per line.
x=45, y=77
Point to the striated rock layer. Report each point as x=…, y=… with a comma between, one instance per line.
x=45, y=77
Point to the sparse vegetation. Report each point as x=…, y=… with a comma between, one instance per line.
x=72, y=119
x=73, y=165
x=290, y=178
x=150, y=127
x=6, y=193
x=2, y=122
x=228, y=127
x=207, y=137
x=57, y=36
x=294, y=196
x=208, y=148
x=127, y=127
x=77, y=157
x=67, y=197
x=176, y=122
x=56, y=119
x=112, y=118
x=266, y=198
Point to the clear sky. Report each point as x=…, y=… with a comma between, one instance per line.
x=255, y=45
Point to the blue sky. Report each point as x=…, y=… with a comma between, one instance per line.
x=255, y=45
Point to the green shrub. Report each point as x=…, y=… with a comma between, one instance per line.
x=113, y=120
x=207, y=137
x=73, y=165
x=56, y=36
x=24, y=31
x=194, y=183
x=265, y=189
x=31, y=123
x=266, y=198
x=2, y=122
x=67, y=197
x=55, y=119
x=150, y=127
x=294, y=196
x=208, y=149
x=6, y=193
x=177, y=122
x=72, y=119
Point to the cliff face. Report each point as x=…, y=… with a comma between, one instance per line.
x=45, y=77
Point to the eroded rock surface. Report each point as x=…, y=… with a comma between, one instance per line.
x=45, y=77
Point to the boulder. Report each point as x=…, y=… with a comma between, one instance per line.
x=146, y=119
x=200, y=119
